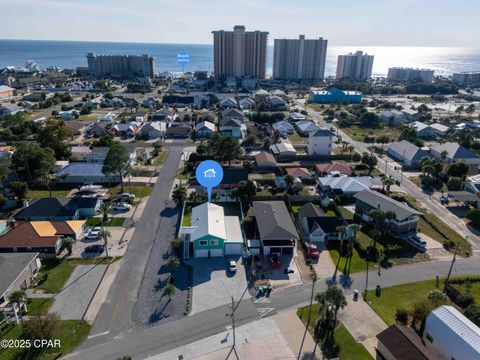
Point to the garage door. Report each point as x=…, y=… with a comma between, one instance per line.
x=233, y=249
x=216, y=252
x=201, y=253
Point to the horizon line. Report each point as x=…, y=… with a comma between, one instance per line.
x=180, y=43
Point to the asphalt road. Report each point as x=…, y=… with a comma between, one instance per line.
x=432, y=205
x=115, y=315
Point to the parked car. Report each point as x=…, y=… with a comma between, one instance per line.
x=232, y=266
x=313, y=251
x=417, y=242
x=126, y=197
x=97, y=248
x=122, y=207
x=275, y=261
x=93, y=234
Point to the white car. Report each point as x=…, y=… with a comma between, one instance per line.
x=232, y=266
x=93, y=235
x=122, y=207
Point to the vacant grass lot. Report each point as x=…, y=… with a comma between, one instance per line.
x=53, y=275
x=137, y=190
x=114, y=221
x=344, y=346
x=160, y=159
x=358, y=133
x=71, y=333
x=38, y=194
x=38, y=306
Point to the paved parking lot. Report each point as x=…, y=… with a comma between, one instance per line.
x=71, y=303
x=115, y=247
x=214, y=285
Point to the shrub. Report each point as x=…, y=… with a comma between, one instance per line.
x=401, y=316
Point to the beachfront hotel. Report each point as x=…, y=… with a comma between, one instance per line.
x=121, y=65
x=356, y=66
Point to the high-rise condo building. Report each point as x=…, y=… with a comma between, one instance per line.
x=239, y=53
x=299, y=59
x=467, y=78
x=356, y=66
x=410, y=74
x=121, y=65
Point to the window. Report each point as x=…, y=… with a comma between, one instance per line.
x=429, y=337
x=203, y=242
x=214, y=242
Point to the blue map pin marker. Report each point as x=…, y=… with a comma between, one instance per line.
x=209, y=174
x=183, y=59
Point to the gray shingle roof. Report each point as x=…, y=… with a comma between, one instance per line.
x=385, y=203
x=11, y=266
x=455, y=151
x=274, y=221
x=408, y=150
x=309, y=210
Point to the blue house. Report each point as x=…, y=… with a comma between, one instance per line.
x=334, y=95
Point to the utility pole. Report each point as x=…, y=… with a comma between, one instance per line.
x=366, y=278
x=451, y=265
x=233, y=321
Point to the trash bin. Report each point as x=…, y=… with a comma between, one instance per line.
x=355, y=295
x=378, y=290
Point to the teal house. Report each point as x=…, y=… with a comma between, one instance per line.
x=214, y=234
x=334, y=95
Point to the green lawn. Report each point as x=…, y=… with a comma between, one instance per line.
x=344, y=347
x=137, y=190
x=37, y=194
x=38, y=305
x=345, y=213
x=114, y=221
x=357, y=133
x=55, y=273
x=187, y=215
x=71, y=334
x=374, y=173
x=160, y=159
x=295, y=137
x=358, y=264
x=181, y=174
x=402, y=296
x=330, y=213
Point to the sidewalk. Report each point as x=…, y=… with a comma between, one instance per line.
x=292, y=329
x=362, y=322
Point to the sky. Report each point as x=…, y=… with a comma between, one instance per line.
x=451, y=23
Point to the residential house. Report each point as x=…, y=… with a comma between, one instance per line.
x=393, y=117
x=44, y=237
x=205, y=130
x=440, y=129
x=407, y=153
x=307, y=127
x=277, y=103
x=154, y=130
x=324, y=228
x=320, y=142
x=233, y=127
x=399, y=342
x=116, y=102
x=18, y=272
x=283, y=149
x=247, y=104
x=58, y=209
x=278, y=92
x=85, y=173
x=229, y=103
x=260, y=93
x=126, y=129
x=405, y=220
x=76, y=127
x=265, y=160
x=450, y=335
x=410, y=114
x=9, y=109
x=430, y=131
x=213, y=234
x=93, y=103
x=108, y=118
x=232, y=114
x=333, y=169
x=275, y=226
x=284, y=128
x=6, y=92
x=180, y=131
x=455, y=152
x=69, y=115
x=295, y=116
x=300, y=172
x=163, y=115
x=345, y=185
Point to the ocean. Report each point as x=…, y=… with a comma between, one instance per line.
x=70, y=54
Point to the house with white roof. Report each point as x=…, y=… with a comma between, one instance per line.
x=451, y=335
x=345, y=185
x=154, y=129
x=205, y=129
x=212, y=234
x=295, y=116
x=108, y=118
x=283, y=149
x=68, y=115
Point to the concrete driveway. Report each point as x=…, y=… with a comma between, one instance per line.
x=214, y=285
x=72, y=302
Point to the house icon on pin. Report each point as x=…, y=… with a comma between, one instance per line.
x=209, y=174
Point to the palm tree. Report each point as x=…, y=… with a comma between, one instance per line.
x=176, y=244
x=169, y=291
x=350, y=149
x=104, y=209
x=289, y=180
x=68, y=243
x=179, y=194
x=352, y=239
x=18, y=298
x=337, y=301
x=173, y=262
x=104, y=235
x=313, y=277
x=388, y=182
